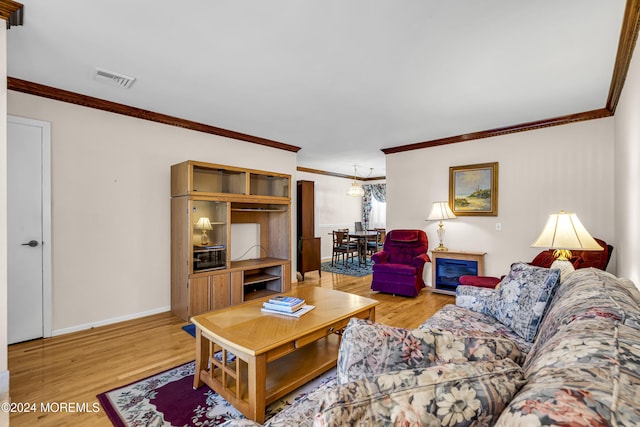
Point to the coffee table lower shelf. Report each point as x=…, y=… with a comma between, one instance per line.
x=283, y=375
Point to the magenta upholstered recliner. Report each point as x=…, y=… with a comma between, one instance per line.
x=398, y=267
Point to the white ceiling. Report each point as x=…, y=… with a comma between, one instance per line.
x=339, y=78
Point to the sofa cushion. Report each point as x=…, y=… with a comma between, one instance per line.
x=460, y=394
x=368, y=349
x=460, y=320
x=587, y=374
x=522, y=298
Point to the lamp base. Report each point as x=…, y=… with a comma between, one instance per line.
x=564, y=266
x=441, y=248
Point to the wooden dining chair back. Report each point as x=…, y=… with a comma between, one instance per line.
x=375, y=243
x=343, y=246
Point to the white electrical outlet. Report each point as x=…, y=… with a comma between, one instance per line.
x=498, y=226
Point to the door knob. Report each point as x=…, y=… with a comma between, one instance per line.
x=32, y=243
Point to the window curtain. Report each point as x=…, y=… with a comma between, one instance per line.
x=377, y=191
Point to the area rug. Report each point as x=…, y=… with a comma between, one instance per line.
x=351, y=269
x=168, y=399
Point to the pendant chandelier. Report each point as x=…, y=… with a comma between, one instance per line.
x=356, y=189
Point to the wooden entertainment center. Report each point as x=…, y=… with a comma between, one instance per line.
x=206, y=200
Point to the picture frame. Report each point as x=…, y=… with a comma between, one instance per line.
x=473, y=189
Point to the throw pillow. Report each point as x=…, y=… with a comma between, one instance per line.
x=477, y=299
x=460, y=394
x=522, y=298
x=369, y=349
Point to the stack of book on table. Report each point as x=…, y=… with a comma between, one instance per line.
x=289, y=306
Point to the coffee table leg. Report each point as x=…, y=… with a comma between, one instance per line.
x=202, y=358
x=257, y=381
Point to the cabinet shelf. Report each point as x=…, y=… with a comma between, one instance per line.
x=256, y=210
x=252, y=279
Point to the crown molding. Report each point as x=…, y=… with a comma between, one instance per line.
x=523, y=127
x=626, y=45
x=11, y=11
x=339, y=175
x=37, y=89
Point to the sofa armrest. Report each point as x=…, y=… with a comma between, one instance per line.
x=477, y=299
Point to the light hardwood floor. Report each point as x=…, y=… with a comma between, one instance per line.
x=76, y=367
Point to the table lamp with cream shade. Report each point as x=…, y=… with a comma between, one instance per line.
x=440, y=211
x=203, y=224
x=564, y=232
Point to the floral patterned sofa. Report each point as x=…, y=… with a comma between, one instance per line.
x=534, y=352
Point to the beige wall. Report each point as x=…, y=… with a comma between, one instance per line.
x=4, y=373
x=540, y=172
x=627, y=175
x=111, y=210
x=334, y=209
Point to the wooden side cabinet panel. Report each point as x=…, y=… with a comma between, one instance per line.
x=237, y=287
x=180, y=248
x=199, y=293
x=308, y=245
x=286, y=277
x=308, y=255
x=220, y=291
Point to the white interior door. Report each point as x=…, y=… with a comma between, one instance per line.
x=28, y=234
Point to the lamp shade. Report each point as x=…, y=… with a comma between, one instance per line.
x=565, y=231
x=203, y=224
x=440, y=211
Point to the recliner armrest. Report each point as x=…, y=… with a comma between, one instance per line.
x=420, y=260
x=379, y=257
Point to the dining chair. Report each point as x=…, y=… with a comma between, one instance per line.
x=343, y=245
x=358, y=226
x=375, y=244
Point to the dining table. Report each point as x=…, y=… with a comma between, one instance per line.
x=362, y=237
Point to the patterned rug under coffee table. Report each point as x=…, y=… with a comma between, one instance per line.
x=168, y=399
x=353, y=268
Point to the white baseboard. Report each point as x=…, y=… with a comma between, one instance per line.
x=105, y=322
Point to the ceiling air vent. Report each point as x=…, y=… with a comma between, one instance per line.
x=116, y=79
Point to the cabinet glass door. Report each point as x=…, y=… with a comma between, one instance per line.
x=215, y=180
x=269, y=185
x=209, y=235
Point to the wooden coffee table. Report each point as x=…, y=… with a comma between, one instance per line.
x=274, y=354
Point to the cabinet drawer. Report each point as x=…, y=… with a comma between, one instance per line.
x=314, y=336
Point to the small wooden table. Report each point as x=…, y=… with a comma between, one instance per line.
x=274, y=354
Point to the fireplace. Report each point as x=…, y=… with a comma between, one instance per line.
x=448, y=272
